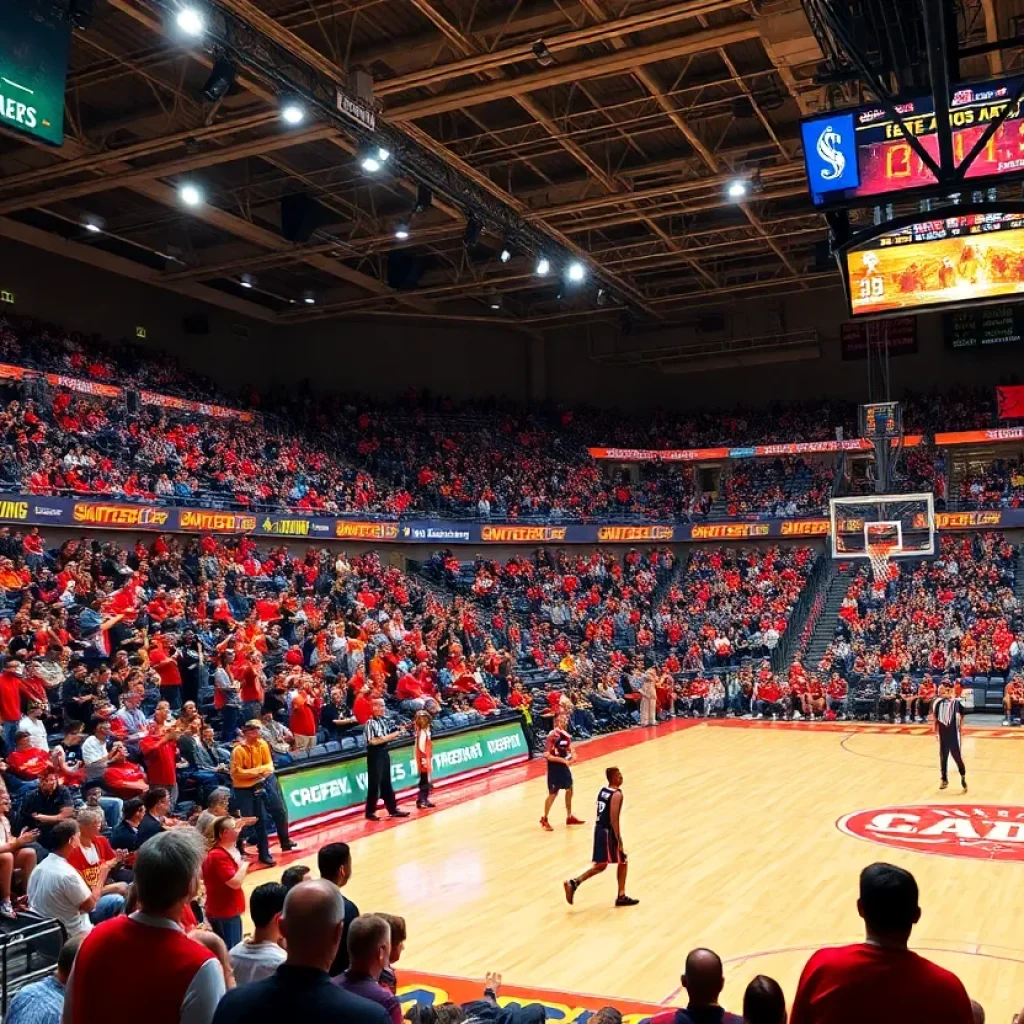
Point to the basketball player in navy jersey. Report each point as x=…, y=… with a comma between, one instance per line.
x=948, y=715
x=559, y=754
x=608, y=846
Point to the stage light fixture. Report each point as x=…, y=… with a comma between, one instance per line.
x=222, y=77
x=602, y=297
x=543, y=266
x=247, y=281
x=506, y=250
x=737, y=188
x=472, y=233
x=190, y=194
x=93, y=224
x=402, y=230
x=373, y=159
x=293, y=112
x=94, y=228
x=190, y=21
x=494, y=301
x=576, y=272
x=545, y=58
x=309, y=298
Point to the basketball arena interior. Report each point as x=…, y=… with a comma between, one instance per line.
x=451, y=448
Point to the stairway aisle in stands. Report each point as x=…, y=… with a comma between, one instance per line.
x=1018, y=586
x=825, y=630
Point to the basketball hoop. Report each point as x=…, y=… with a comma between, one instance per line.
x=881, y=540
x=879, y=555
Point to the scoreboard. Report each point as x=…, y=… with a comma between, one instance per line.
x=977, y=328
x=930, y=262
x=856, y=154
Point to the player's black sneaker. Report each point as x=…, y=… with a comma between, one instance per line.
x=944, y=784
x=570, y=886
x=626, y=901
x=963, y=782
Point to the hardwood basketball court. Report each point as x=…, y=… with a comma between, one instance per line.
x=734, y=842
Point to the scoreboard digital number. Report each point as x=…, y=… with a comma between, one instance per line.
x=989, y=326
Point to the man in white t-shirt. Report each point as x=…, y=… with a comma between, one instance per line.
x=57, y=890
x=257, y=958
x=33, y=725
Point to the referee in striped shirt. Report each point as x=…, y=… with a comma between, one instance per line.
x=378, y=764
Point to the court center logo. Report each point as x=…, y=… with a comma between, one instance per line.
x=981, y=831
x=828, y=149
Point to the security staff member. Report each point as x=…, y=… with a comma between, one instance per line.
x=378, y=764
x=256, y=791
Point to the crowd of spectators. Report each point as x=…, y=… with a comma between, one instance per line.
x=998, y=483
x=955, y=616
x=421, y=454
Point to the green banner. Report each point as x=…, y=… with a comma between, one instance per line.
x=327, y=788
x=34, y=40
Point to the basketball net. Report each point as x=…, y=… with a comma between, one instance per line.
x=878, y=552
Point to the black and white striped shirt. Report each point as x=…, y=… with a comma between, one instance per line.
x=376, y=728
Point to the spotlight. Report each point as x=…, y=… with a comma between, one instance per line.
x=544, y=56
x=293, y=113
x=309, y=298
x=190, y=195
x=222, y=77
x=424, y=198
x=247, y=281
x=737, y=188
x=94, y=228
x=602, y=297
x=402, y=230
x=93, y=224
x=493, y=299
x=373, y=159
x=505, y=255
x=576, y=272
x=543, y=266
x=190, y=21
x=472, y=233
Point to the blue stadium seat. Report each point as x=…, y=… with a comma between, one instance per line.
x=333, y=747
x=320, y=750
x=349, y=743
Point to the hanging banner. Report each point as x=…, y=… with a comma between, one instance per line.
x=1011, y=402
x=759, y=451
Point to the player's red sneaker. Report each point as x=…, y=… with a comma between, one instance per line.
x=573, y=820
x=570, y=887
x=546, y=825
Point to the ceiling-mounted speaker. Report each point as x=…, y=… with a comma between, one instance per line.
x=300, y=217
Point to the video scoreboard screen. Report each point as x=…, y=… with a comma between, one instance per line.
x=856, y=154
x=932, y=263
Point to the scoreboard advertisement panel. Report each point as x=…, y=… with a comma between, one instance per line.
x=874, y=158
x=930, y=263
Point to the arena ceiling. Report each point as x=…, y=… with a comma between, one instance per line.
x=617, y=138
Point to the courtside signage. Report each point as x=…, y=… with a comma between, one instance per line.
x=978, y=831
x=339, y=786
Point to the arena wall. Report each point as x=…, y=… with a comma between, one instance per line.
x=387, y=357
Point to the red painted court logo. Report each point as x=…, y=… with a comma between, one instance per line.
x=983, y=831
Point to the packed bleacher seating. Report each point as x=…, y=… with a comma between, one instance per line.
x=955, y=616
x=995, y=484
x=778, y=489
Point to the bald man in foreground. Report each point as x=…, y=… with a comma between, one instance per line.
x=300, y=989
x=703, y=979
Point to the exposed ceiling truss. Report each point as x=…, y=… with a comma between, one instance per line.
x=611, y=127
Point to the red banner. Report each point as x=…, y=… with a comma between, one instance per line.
x=761, y=451
x=993, y=436
x=87, y=387
x=1011, y=402
x=202, y=408
x=8, y=372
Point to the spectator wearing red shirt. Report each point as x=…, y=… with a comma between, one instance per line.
x=769, y=698
x=250, y=678
x=165, y=664
x=160, y=752
x=880, y=980
x=302, y=718
x=224, y=872
x=409, y=692
x=10, y=700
